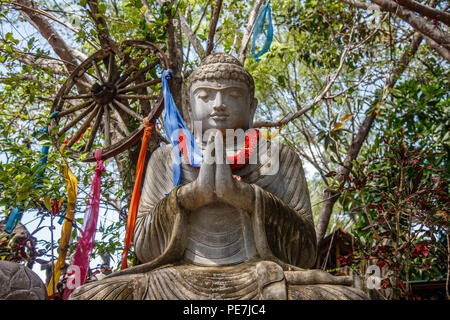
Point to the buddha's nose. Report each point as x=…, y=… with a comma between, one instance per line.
x=218, y=102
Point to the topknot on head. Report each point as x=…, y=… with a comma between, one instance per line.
x=222, y=66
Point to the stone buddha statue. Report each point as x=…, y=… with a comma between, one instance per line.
x=240, y=231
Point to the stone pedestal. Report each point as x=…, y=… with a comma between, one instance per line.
x=18, y=282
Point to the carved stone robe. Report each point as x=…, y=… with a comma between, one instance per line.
x=219, y=252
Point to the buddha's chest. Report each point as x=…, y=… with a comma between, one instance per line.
x=219, y=235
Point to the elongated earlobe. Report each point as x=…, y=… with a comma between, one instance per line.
x=253, y=105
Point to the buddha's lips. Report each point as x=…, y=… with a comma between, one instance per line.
x=219, y=116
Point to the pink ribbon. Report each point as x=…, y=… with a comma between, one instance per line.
x=86, y=241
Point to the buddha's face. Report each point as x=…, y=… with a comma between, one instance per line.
x=222, y=104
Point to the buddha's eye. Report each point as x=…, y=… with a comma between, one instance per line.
x=203, y=94
x=235, y=94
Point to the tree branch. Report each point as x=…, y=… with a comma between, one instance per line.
x=45, y=63
x=417, y=22
x=212, y=27
x=317, y=99
x=102, y=28
x=361, y=5
x=444, y=52
x=426, y=10
x=191, y=36
x=330, y=196
x=49, y=33
x=148, y=16
x=48, y=15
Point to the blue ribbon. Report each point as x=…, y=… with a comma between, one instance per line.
x=44, y=155
x=159, y=70
x=14, y=217
x=43, y=161
x=16, y=214
x=174, y=125
x=258, y=30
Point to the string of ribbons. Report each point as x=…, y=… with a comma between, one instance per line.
x=16, y=213
x=175, y=127
x=264, y=14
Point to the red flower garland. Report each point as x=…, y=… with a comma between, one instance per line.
x=237, y=161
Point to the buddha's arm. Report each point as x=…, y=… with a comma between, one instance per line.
x=157, y=212
x=286, y=207
x=290, y=236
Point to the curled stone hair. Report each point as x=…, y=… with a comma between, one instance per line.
x=222, y=66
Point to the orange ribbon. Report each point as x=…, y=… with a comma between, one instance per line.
x=132, y=213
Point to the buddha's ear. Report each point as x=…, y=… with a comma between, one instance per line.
x=253, y=105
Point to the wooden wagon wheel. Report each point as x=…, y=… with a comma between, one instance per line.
x=109, y=93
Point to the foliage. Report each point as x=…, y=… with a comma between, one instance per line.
x=400, y=202
x=313, y=42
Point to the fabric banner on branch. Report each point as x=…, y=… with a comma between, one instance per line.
x=135, y=198
x=265, y=13
x=72, y=192
x=174, y=126
x=85, y=243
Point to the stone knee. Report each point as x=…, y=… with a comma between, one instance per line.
x=271, y=281
x=128, y=287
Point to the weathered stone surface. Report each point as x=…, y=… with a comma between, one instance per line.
x=18, y=282
x=215, y=237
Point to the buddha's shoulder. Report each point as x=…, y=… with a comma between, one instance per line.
x=163, y=152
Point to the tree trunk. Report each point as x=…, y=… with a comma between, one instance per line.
x=330, y=197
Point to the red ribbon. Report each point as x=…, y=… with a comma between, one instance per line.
x=237, y=161
x=86, y=241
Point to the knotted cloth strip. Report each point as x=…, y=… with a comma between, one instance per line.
x=136, y=197
x=258, y=30
x=66, y=231
x=86, y=241
x=174, y=126
x=13, y=219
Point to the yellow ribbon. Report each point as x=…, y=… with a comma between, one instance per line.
x=267, y=135
x=72, y=190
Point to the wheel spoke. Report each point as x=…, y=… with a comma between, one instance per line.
x=111, y=67
x=83, y=127
x=127, y=109
x=137, y=74
x=76, y=119
x=94, y=129
x=137, y=96
x=107, y=126
x=130, y=70
x=118, y=129
x=83, y=83
x=98, y=72
x=75, y=108
x=78, y=96
x=141, y=85
x=96, y=79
